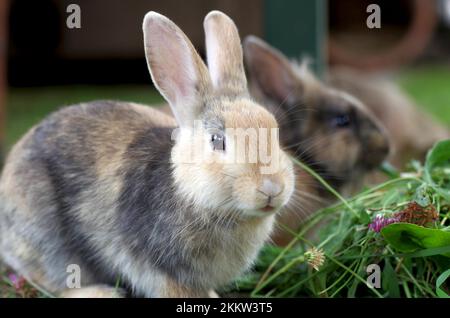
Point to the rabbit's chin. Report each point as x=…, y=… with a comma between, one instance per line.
x=247, y=211
x=260, y=213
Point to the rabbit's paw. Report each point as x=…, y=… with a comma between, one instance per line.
x=96, y=291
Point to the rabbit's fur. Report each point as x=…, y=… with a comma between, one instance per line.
x=412, y=131
x=101, y=184
x=328, y=129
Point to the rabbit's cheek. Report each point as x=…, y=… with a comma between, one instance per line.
x=244, y=193
x=340, y=153
x=198, y=184
x=376, y=149
x=289, y=178
x=285, y=178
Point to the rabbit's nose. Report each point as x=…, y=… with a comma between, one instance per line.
x=270, y=188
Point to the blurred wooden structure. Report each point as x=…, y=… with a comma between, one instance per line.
x=3, y=73
x=113, y=28
x=293, y=26
x=407, y=26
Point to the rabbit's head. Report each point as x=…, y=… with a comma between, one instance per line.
x=326, y=128
x=226, y=154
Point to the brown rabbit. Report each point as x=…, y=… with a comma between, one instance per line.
x=112, y=187
x=329, y=130
x=411, y=131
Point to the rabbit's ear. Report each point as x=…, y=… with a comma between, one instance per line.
x=270, y=69
x=177, y=70
x=224, y=53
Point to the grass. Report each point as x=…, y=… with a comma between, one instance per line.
x=412, y=253
x=345, y=239
x=430, y=87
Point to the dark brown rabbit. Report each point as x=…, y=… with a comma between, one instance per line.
x=328, y=129
x=112, y=188
x=412, y=132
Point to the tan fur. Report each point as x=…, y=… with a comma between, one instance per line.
x=175, y=290
x=109, y=160
x=93, y=292
x=305, y=200
x=224, y=61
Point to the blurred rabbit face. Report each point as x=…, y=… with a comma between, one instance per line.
x=338, y=137
x=327, y=129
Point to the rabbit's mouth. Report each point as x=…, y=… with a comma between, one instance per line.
x=262, y=212
x=268, y=208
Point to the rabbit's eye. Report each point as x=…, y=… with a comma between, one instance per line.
x=341, y=120
x=218, y=142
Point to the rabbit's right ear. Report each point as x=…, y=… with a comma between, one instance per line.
x=269, y=68
x=176, y=69
x=224, y=53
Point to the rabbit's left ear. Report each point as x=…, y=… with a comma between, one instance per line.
x=224, y=53
x=270, y=69
x=177, y=70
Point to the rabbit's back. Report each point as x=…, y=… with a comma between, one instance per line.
x=62, y=181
